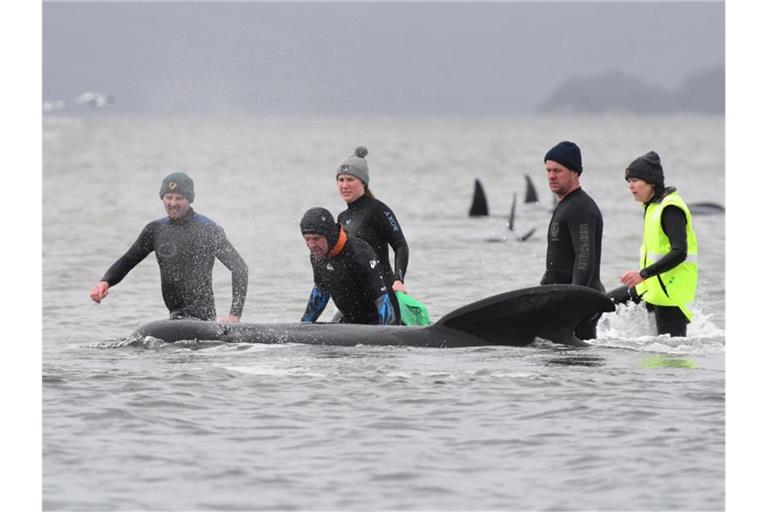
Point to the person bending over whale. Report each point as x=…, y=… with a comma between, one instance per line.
x=186, y=245
x=668, y=273
x=575, y=235
x=346, y=270
x=368, y=218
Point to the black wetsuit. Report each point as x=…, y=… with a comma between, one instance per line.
x=375, y=222
x=669, y=319
x=574, y=248
x=353, y=279
x=185, y=250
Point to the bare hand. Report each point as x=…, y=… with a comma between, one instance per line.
x=398, y=286
x=99, y=291
x=230, y=319
x=631, y=279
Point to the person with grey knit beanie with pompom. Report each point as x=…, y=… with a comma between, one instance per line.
x=370, y=219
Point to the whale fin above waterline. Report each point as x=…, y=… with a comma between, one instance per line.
x=530, y=191
x=517, y=317
x=479, y=207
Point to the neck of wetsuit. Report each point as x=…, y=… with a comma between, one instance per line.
x=561, y=199
x=357, y=202
x=340, y=243
x=185, y=218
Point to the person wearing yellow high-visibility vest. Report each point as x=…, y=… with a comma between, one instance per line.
x=668, y=273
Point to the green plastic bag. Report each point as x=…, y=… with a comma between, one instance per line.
x=412, y=312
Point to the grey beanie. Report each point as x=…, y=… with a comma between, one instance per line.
x=178, y=183
x=355, y=165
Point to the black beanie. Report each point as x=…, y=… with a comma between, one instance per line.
x=178, y=183
x=647, y=168
x=319, y=221
x=568, y=154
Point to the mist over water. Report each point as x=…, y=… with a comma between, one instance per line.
x=635, y=422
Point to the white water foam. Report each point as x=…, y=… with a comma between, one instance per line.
x=633, y=327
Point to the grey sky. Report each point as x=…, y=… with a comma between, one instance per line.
x=367, y=58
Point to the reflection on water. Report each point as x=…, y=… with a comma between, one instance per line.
x=663, y=361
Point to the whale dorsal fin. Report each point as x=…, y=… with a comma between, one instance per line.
x=479, y=206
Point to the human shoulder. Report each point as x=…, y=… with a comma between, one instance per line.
x=583, y=202
x=199, y=218
x=359, y=247
x=153, y=225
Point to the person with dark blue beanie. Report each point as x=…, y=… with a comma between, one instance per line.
x=575, y=235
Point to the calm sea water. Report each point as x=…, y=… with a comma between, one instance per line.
x=635, y=422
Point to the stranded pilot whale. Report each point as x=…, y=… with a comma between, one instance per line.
x=513, y=318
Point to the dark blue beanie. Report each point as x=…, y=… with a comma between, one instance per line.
x=566, y=153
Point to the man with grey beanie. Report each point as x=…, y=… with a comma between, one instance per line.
x=186, y=245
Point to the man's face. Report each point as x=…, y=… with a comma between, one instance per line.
x=641, y=190
x=561, y=179
x=176, y=205
x=317, y=245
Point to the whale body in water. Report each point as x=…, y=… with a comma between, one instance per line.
x=513, y=318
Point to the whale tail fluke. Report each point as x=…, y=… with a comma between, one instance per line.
x=515, y=318
x=479, y=206
x=530, y=192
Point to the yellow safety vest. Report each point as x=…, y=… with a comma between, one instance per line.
x=676, y=287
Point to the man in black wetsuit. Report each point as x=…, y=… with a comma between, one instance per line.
x=186, y=245
x=346, y=270
x=575, y=235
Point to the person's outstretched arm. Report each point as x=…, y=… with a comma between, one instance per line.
x=140, y=249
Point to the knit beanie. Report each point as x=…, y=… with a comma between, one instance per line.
x=647, y=168
x=178, y=183
x=319, y=221
x=566, y=153
x=355, y=165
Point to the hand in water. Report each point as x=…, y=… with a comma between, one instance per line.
x=99, y=291
x=230, y=319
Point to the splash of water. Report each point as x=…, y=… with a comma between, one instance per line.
x=632, y=326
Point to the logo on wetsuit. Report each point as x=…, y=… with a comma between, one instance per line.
x=373, y=263
x=329, y=267
x=167, y=250
x=554, y=229
x=392, y=221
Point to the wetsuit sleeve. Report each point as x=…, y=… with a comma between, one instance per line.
x=673, y=224
x=231, y=259
x=385, y=310
x=140, y=249
x=393, y=234
x=318, y=299
x=583, y=230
